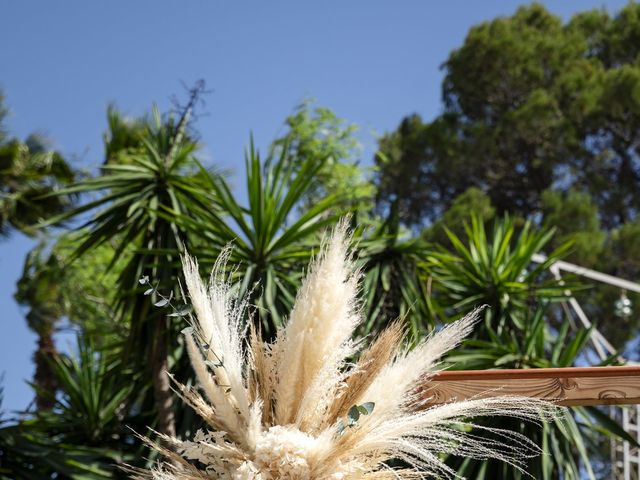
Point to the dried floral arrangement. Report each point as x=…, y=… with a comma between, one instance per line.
x=297, y=408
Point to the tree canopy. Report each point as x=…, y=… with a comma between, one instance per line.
x=530, y=104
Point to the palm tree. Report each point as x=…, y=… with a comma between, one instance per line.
x=54, y=290
x=28, y=172
x=150, y=173
x=38, y=289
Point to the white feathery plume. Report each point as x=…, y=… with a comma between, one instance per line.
x=218, y=327
x=317, y=338
x=284, y=411
x=394, y=385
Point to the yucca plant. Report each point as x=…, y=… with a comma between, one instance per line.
x=495, y=270
x=84, y=435
x=155, y=174
x=95, y=392
x=393, y=276
x=272, y=240
x=520, y=330
x=297, y=408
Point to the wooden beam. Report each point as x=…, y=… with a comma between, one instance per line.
x=566, y=386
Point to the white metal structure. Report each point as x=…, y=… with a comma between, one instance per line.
x=625, y=459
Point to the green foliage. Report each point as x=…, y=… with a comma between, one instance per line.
x=29, y=170
x=86, y=434
x=124, y=135
x=574, y=216
x=354, y=414
x=530, y=104
x=472, y=202
x=497, y=271
x=542, y=126
x=143, y=182
x=315, y=132
x=29, y=453
x=419, y=170
x=150, y=177
x=271, y=242
x=624, y=243
x=160, y=175
x=94, y=397
x=619, y=257
x=319, y=133
x=520, y=330
x=53, y=287
x=542, y=117
x=394, y=285
x=152, y=201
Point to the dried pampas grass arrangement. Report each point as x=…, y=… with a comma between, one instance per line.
x=297, y=408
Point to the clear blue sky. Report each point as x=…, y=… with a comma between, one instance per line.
x=371, y=61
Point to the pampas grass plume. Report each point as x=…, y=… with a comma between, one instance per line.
x=285, y=410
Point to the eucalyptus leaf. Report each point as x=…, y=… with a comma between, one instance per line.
x=162, y=302
x=366, y=408
x=186, y=310
x=353, y=415
x=187, y=331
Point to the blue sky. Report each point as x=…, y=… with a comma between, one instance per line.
x=372, y=62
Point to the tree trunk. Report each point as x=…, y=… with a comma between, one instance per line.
x=161, y=383
x=43, y=377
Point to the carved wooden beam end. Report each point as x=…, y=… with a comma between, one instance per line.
x=566, y=386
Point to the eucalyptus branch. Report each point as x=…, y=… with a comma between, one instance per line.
x=166, y=301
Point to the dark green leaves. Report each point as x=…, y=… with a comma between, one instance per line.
x=85, y=436
x=29, y=172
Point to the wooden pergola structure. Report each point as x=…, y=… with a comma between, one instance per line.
x=575, y=386
x=566, y=386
